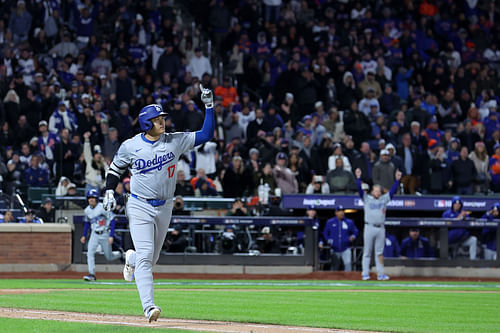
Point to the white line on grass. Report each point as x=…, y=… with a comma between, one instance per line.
x=308, y=284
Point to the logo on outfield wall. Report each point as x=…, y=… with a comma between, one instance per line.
x=467, y=204
x=318, y=202
x=410, y=203
x=442, y=203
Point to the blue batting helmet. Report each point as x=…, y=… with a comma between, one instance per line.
x=456, y=199
x=149, y=112
x=92, y=194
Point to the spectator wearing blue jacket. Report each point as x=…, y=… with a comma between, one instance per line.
x=416, y=246
x=34, y=175
x=391, y=248
x=84, y=21
x=402, y=85
x=20, y=22
x=46, y=141
x=30, y=218
x=489, y=235
x=62, y=118
x=460, y=235
x=340, y=232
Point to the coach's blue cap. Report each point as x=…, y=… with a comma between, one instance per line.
x=339, y=207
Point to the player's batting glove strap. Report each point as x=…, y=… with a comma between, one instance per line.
x=207, y=97
x=109, y=201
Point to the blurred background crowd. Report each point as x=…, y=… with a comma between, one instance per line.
x=306, y=92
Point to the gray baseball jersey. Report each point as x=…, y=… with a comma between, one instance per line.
x=98, y=217
x=153, y=164
x=375, y=208
x=99, y=220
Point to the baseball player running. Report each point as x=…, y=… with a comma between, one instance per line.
x=102, y=225
x=152, y=158
x=375, y=205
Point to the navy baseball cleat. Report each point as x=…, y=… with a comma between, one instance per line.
x=90, y=277
x=382, y=277
x=365, y=277
x=153, y=313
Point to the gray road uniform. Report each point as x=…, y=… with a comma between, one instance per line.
x=101, y=224
x=374, y=231
x=153, y=167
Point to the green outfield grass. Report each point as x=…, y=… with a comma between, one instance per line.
x=383, y=310
x=250, y=284
x=32, y=325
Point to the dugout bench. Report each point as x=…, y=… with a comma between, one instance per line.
x=443, y=225
x=212, y=226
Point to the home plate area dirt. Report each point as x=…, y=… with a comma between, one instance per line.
x=183, y=324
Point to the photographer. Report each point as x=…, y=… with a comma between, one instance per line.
x=228, y=240
x=267, y=243
x=238, y=209
x=176, y=241
x=318, y=186
x=179, y=207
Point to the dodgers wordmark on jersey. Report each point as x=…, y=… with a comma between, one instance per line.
x=152, y=163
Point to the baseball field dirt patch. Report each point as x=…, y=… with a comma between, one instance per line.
x=183, y=324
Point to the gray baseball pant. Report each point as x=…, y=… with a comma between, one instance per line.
x=346, y=256
x=94, y=241
x=490, y=254
x=148, y=228
x=373, y=237
x=471, y=242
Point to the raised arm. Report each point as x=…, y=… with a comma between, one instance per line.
x=207, y=131
x=395, y=186
x=358, y=183
x=112, y=226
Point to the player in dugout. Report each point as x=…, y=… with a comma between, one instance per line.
x=340, y=232
x=489, y=235
x=460, y=235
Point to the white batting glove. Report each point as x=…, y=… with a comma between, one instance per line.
x=109, y=201
x=207, y=97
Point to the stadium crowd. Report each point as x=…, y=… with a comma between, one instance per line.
x=311, y=90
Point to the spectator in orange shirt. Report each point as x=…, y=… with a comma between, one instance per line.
x=427, y=8
x=200, y=174
x=227, y=92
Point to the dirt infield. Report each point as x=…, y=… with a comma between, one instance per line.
x=356, y=276
x=183, y=324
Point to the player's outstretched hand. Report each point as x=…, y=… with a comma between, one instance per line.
x=358, y=173
x=398, y=175
x=109, y=201
x=207, y=97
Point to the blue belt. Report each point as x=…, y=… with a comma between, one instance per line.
x=152, y=202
